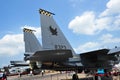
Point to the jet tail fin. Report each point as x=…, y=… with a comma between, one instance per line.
x=52, y=36
x=31, y=43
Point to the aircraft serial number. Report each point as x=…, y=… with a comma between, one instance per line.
x=60, y=47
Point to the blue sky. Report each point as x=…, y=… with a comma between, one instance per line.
x=88, y=25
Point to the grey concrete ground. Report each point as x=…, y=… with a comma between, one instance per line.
x=57, y=76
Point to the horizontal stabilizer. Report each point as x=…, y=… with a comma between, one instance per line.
x=19, y=63
x=52, y=55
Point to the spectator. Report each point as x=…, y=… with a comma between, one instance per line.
x=75, y=77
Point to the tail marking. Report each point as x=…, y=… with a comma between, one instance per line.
x=53, y=30
x=47, y=13
x=28, y=30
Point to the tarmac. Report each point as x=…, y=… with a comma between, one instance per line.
x=58, y=76
x=50, y=76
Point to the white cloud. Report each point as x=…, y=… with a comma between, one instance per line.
x=104, y=42
x=89, y=24
x=108, y=38
x=113, y=7
x=103, y=23
x=113, y=13
x=83, y=24
x=11, y=44
x=87, y=47
x=116, y=23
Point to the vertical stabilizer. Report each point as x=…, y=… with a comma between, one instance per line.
x=31, y=43
x=52, y=36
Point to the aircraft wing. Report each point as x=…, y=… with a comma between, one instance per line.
x=98, y=58
x=97, y=54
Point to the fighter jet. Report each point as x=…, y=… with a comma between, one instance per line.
x=56, y=52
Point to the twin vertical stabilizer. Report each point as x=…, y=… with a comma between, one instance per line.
x=31, y=43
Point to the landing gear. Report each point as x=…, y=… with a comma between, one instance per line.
x=97, y=78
